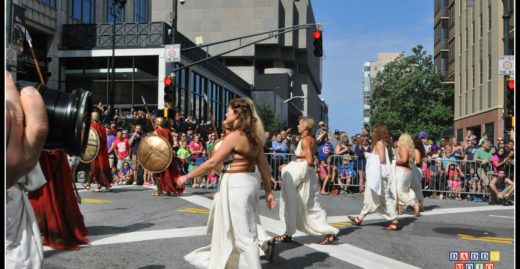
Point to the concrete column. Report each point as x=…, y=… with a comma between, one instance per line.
x=161, y=76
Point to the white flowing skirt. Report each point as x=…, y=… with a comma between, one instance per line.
x=383, y=205
x=402, y=180
x=299, y=205
x=233, y=226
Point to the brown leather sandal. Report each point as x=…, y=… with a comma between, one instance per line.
x=393, y=227
x=355, y=220
x=328, y=239
x=283, y=238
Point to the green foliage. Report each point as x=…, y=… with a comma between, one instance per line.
x=271, y=123
x=410, y=97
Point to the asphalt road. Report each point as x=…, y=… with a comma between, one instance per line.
x=130, y=228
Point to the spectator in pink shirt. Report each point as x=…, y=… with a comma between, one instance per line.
x=121, y=146
x=196, y=147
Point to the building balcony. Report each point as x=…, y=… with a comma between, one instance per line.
x=127, y=35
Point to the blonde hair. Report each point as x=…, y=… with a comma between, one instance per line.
x=405, y=140
x=308, y=122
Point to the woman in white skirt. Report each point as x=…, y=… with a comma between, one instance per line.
x=299, y=205
x=233, y=224
x=378, y=197
x=404, y=175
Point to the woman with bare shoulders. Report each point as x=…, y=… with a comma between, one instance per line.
x=403, y=176
x=233, y=230
x=378, y=197
x=299, y=206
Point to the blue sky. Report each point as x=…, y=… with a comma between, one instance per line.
x=354, y=32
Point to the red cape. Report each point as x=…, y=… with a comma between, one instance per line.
x=100, y=167
x=55, y=205
x=171, y=174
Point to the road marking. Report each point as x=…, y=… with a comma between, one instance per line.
x=93, y=187
x=345, y=252
x=508, y=217
x=95, y=201
x=340, y=224
x=194, y=210
x=500, y=240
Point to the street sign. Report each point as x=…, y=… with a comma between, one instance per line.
x=506, y=65
x=172, y=53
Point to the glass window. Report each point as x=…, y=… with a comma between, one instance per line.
x=82, y=10
x=141, y=10
x=51, y=3
x=119, y=13
x=489, y=129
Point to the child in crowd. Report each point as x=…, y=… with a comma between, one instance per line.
x=452, y=171
x=474, y=184
x=346, y=173
x=198, y=181
x=126, y=175
x=115, y=175
x=183, y=154
x=212, y=180
x=324, y=176
x=456, y=186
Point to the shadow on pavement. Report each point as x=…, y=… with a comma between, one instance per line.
x=306, y=261
x=154, y=266
x=104, y=230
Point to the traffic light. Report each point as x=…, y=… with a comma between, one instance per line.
x=168, y=90
x=510, y=83
x=318, y=43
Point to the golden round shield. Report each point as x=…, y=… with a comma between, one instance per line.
x=92, y=149
x=154, y=153
x=217, y=145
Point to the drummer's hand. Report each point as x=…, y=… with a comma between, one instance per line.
x=181, y=181
x=271, y=202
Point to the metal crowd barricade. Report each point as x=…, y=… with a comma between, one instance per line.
x=275, y=160
x=474, y=176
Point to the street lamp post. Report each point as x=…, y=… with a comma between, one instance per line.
x=121, y=4
x=295, y=97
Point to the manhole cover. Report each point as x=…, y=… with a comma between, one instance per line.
x=458, y=230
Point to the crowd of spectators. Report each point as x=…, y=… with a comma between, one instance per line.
x=474, y=168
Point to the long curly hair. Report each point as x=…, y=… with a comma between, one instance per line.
x=405, y=140
x=381, y=133
x=248, y=121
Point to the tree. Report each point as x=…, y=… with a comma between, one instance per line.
x=271, y=123
x=410, y=97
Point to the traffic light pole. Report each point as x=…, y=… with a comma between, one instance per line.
x=506, y=17
x=273, y=33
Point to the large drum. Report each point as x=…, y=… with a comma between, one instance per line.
x=92, y=149
x=154, y=153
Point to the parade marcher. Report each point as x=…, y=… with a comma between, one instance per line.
x=403, y=174
x=299, y=206
x=169, y=176
x=26, y=130
x=234, y=216
x=378, y=197
x=416, y=183
x=99, y=167
x=55, y=204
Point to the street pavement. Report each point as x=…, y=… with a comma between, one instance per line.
x=130, y=228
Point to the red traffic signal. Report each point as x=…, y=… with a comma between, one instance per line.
x=511, y=84
x=168, y=81
x=318, y=43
